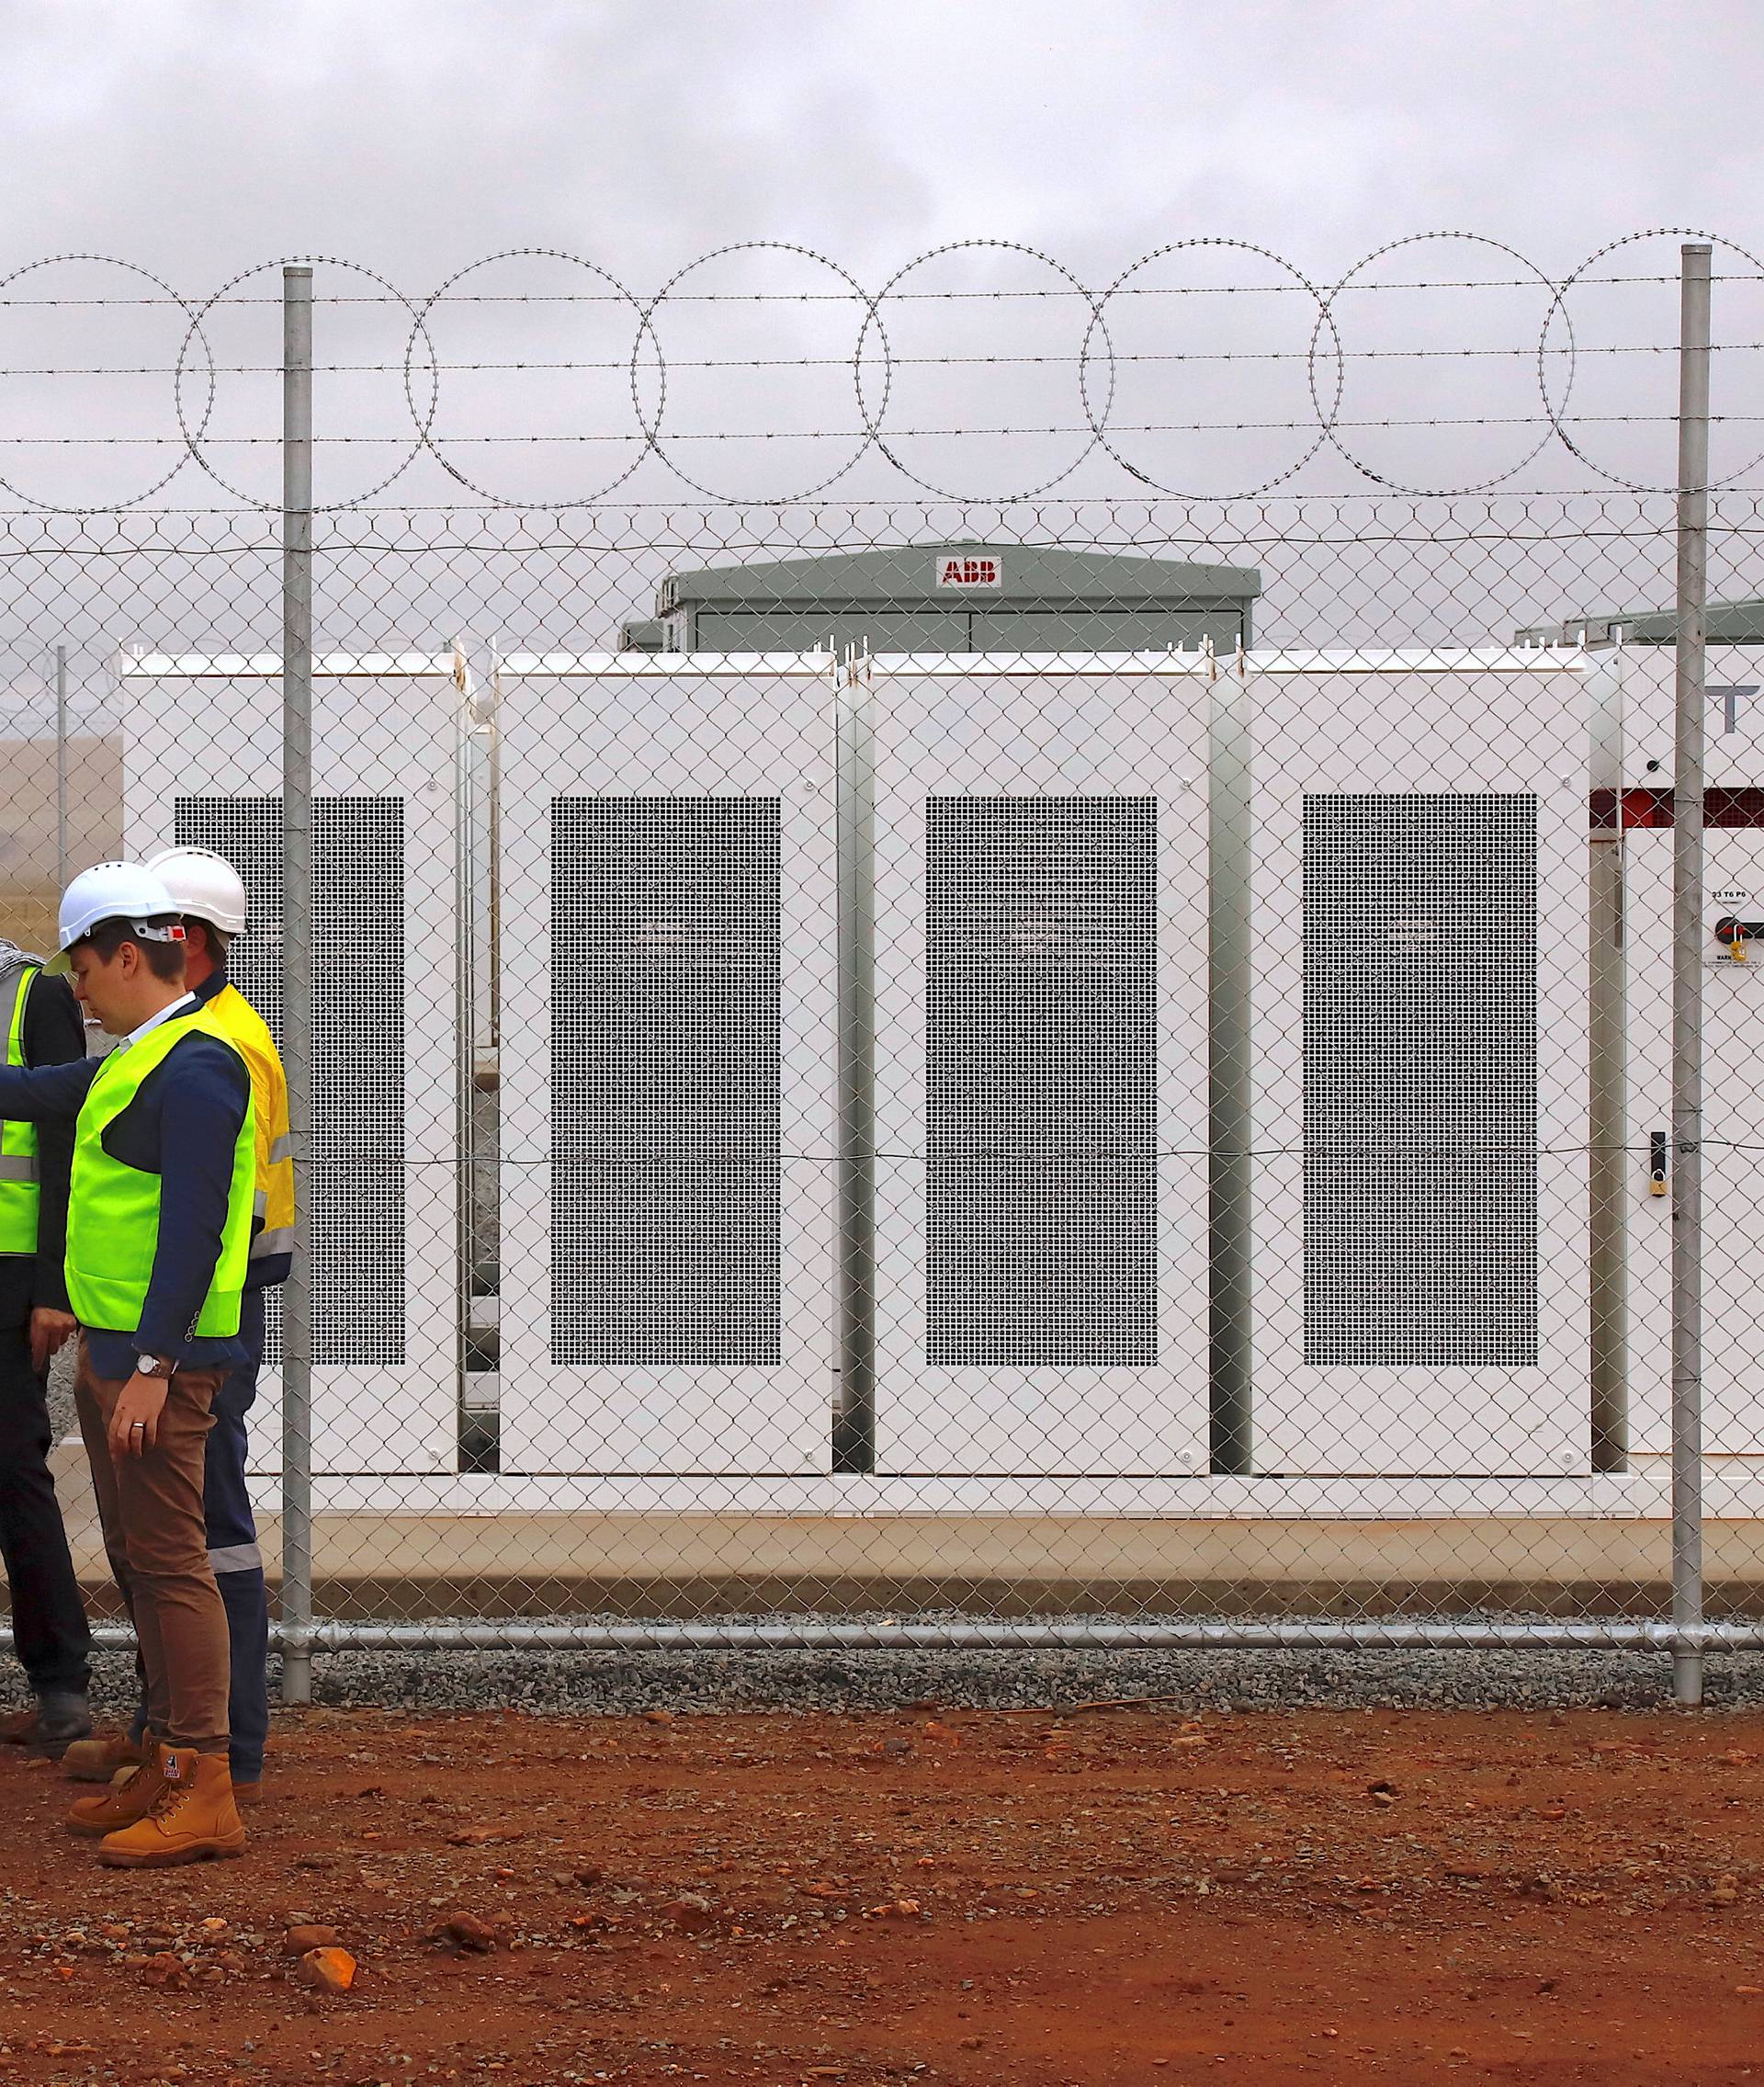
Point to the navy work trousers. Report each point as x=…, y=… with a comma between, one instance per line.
x=48, y=1617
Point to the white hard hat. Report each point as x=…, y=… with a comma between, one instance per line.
x=114, y=891
x=204, y=886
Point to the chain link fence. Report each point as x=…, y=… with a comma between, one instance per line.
x=909, y=1068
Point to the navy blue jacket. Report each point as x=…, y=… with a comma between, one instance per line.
x=183, y=1126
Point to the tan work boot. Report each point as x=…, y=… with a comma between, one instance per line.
x=193, y=1817
x=125, y=1801
x=99, y=1759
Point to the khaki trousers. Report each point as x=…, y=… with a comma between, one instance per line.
x=150, y=1508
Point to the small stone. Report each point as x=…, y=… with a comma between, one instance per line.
x=470, y=1932
x=328, y=1971
x=309, y=1935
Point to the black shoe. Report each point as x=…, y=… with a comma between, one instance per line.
x=51, y=1726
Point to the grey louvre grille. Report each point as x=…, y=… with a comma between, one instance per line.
x=1420, y=1081
x=666, y=1082
x=357, y=1172
x=1041, y=1072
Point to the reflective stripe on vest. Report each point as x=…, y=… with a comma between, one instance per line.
x=113, y=1209
x=19, y=1191
x=246, y=1029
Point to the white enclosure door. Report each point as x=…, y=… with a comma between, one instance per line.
x=202, y=765
x=1419, y=968
x=667, y=1055
x=1733, y=1187
x=1733, y=1415
x=1041, y=1076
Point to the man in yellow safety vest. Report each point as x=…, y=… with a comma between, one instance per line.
x=207, y=892
x=41, y=1021
x=159, y=1220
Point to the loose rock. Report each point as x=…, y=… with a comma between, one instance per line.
x=328, y=1971
x=309, y=1935
x=470, y=1932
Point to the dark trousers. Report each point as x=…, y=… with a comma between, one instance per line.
x=233, y=1555
x=48, y=1618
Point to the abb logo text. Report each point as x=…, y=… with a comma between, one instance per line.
x=970, y=572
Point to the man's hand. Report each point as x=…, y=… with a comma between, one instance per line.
x=134, y=1424
x=49, y=1331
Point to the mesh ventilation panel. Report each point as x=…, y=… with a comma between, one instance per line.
x=666, y=1082
x=357, y=1169
x=1420, y=1081
x=1040, y=1070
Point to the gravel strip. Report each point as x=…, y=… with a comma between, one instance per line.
x=619, y=1683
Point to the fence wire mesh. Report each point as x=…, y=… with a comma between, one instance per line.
x=906, y=1064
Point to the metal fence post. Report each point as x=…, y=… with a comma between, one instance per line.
x=1688, y=956
x=1609, y=1175
x=60, y=767
x=854, y=816
x=296, y=973
x=1228, y=1083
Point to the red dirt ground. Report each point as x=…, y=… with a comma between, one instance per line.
x=977, y=1899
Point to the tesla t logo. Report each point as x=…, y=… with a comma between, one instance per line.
x=970, y=573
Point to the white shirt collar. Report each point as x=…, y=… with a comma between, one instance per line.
x=153, y=1022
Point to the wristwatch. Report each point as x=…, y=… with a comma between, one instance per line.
x=153, y=1365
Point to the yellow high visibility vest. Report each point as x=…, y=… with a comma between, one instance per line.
x=273, y=1207
x=113, y=1209
x=19, y=1195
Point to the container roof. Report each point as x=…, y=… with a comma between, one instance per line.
x=909, y=572
x=1737, y=622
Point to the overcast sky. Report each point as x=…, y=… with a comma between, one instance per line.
x=200, y=137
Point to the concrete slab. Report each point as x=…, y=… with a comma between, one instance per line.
x=680, y=1566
